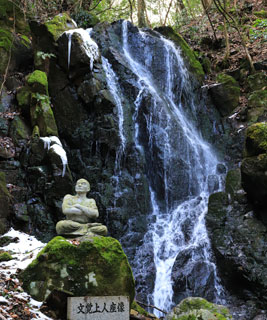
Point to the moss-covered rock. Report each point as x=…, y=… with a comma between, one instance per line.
x=226, y=94
x=46, y=34
x=38, y=82
x=188, y=53
x=198, y=308
x=258, y=99
x=59, y=24
x=257, y=81
x=256, y=139
x=5, y=256
x=42, y=115
x=97, y=266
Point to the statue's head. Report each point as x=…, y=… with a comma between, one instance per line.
x=82, y=185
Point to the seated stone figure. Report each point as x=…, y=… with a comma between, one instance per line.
x=80, y=212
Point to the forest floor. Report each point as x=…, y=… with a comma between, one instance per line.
x=200, y=36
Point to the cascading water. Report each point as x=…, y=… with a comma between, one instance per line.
x=180, y=169
x=179, y=226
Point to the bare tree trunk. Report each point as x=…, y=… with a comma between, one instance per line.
x=141, y=9
x=167, y=13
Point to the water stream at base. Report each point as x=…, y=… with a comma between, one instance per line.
x=177, y=230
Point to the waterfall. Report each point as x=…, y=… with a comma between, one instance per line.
x=178, y=229
x=180, y=168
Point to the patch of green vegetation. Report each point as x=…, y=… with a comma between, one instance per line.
x=3, y=189
x=6, y=38
x=256, y=142
x=261, y=13
x=258, y=30
x=5, y=256
x=25, y=41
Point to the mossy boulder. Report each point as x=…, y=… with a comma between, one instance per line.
x=198, y=308
x=188, y=53
x=34, y=102
x=257, y=81
x=5, y=200
x=42, y=115
x=46, y=34
x=226, y=94
x=97, y=266
x=256, y=139
x=19, y=129
x=37, y=81
x=257, y=106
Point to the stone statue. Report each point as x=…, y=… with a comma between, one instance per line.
x=80, y=211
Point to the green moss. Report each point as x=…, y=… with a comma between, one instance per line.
x=198, y=308
x=187, y=52
x=62, y=265
x=258, y=99
x=19, y=129
x=23, y=96
x=6, y=39
x=42, y=115
x=25, y=41
x=58, y=25
x=256, y=139
x=38, y=82
x=135, y=306
x=5, y=256
x=261, y=13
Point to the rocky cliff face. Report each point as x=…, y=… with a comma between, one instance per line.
x=113, y=153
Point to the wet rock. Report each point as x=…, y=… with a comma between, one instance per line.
x=226, y=94
x=238, y=239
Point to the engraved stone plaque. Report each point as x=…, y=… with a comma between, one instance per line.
x=98, y=308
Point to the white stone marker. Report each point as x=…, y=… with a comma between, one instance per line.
x=99, y=308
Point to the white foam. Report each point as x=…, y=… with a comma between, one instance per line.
x=88, y=44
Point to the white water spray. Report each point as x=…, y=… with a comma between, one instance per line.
x=170, y=239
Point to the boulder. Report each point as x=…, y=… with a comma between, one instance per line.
x=256, y=139
x=254, y=178
x=96, y=266
x=257, y=102
x=198, y=308
x=256, y=81
x=226, y=94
